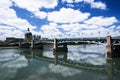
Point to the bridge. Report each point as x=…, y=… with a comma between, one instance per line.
x=92, y=40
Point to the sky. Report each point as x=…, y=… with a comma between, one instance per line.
x=60, y=18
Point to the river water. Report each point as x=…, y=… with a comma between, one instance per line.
x=21, y=64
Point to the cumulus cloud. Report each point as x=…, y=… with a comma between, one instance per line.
x=13, y=24
x=9, y=17
x=69, y=1
x=10, y=32
x=10, y=24
x=35, y=6
x=32, y=5
x=74, y=23
x=89, y=28
x=40, y=14
x=67, y=15
x=51, y=30
x=96, y=4
x=101, y=21
x=93, y=3
x=118, y=27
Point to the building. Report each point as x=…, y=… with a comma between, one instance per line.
x=28, y=35
x=10, y=39
x=36, y=37
x=13, y=40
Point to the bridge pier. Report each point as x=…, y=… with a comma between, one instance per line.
x=59, y=47
x=112, y=49
x=55, y=45
x=32, y=44
x=19, y=44
x=109, y=47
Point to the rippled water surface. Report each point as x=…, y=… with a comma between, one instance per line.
x=27, y=64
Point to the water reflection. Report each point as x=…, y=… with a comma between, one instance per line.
x=63, y=58
x=80, y=63
x=10, y=62
x=60, y=56
x=113, y=69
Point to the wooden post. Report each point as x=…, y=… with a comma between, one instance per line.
x=109, y=47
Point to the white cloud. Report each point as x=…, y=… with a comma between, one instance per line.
x=93, y=3
x=77, y=30
x=8, y=31
x=40, y=14
x=67, y=15
x=69, y=1
x=118, y=27
x=98, y=5
x=51, y=30
x=78, y=0
x=6, y=27
x=34, y=6
x=5, y=4
x=73, y=30
x=8, y=16
x=101, y=21
x=10, y=24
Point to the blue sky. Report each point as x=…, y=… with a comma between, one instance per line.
x=60, y=18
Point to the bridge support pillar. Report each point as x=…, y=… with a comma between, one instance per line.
x=32, y=44
x=19, y=44
x=109, y=47
x=55, y=45
x=59, y=47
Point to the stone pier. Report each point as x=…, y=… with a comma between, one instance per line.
x=112, y=49
x=109, y=47
x=59, y=47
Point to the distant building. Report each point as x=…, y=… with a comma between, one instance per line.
x=44, y=38
x=28, y=35
x=10, y=39
x=13, y=40
x=36, y=37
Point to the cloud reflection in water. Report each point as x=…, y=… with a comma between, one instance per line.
x=10, y=63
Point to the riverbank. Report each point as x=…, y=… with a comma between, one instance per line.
x=11, y=47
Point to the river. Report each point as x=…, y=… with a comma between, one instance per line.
x=28, y=64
